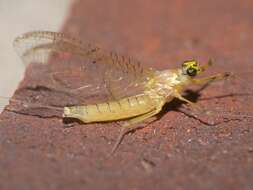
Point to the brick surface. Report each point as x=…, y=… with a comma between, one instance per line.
x=175, y=152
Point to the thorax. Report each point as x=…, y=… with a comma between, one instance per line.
x=165, y=83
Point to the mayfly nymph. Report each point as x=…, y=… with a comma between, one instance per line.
x=160, y=89
x=134, y=93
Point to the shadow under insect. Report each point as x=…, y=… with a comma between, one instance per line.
x=195, y=96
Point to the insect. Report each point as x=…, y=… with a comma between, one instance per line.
x=112, y=87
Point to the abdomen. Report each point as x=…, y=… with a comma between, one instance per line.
x=114, y=110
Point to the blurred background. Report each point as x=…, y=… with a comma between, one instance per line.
x=17, y=17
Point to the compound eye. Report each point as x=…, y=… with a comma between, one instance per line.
x=191, y=72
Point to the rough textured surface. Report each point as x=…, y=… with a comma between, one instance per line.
x=177, y=151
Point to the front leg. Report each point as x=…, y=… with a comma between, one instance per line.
x=190, y=104
x=211, y=78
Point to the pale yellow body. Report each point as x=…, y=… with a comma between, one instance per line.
x=162, y=88
x=159, y=90
x=114, y=110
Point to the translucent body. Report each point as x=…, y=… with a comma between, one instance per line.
x=158, y=90
x=111, y=87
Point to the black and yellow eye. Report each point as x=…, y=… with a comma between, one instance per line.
x=191, y=72
x=190, y=68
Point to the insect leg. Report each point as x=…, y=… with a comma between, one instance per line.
x=191, y=104
x=129, y=126
x=211, y=78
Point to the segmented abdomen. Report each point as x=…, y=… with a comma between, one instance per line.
x=114, y=110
